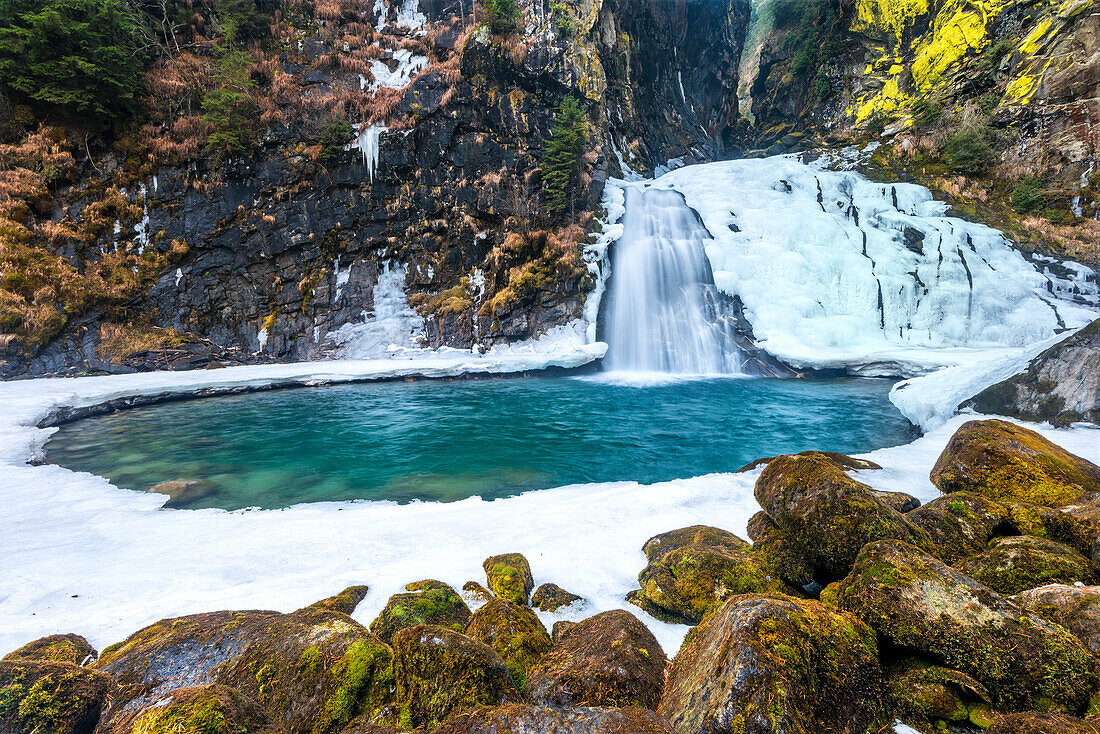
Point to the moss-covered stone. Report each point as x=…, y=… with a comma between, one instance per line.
x=611, y=659
x=1077, y=608
x=692, y=569
x=345, y=602
x=1034, y=722
x=211, y=709
x=440, y=672
x=426, y=602
x=1003, y=461
x=561, y=629
x=761, y=665
x=916, y=689
x=56, y=648
x=778, y=552
x=312, y=671
x=509, y=577
x=842, y=461
x=526, y=719
x=515, y=632
x=961, y=523
x=38, y=696
x=551, y=598
x=475, y=592
x=827, y=515
x=1020, y=562
x=915, y=601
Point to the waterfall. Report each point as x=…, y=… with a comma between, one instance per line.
x=664, y=312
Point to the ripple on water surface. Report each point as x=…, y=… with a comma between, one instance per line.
x=445, y=441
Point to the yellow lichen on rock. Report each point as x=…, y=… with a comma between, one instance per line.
x=895, y=16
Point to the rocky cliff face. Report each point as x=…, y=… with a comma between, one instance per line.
x=287, y=254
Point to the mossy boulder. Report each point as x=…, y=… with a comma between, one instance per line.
x=515, y=632
x=211, y=709
x=760, y=665
x=842, y=461
x=560, y=629
x=551, y=598
x=509, y=577
x=962, y=523
x=475, y=592
x=919, y=690
x=1020, y=562
x=917, y=602
x=611, y=659
x=345, y=602
x=526, y=719
x=440, y=672
x=1077, y=608
x=312, y=671
x=425, y=602
x=1034, y=722
x=692, y=569
x=778, y=552
x=55, y=648
x=1077, y=525
x=1003, y=461
x=827, y=515
x=38, y=696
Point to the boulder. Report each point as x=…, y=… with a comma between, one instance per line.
x=611, y=659
x=561, y=629
x=961, y=524
x=345, y=602
x=313, y=670
x=1033, y=722
x=778, y=552
x=56, y=648
x=440, y=672
x=209, y=709
x=917, y=602
x=475, y=592
x=182, y=492
x=916, y=689
x=425, y=602
x=1077, y=608
x=551, y=598
x=515, y=632
x=827, y=515
x=1020, y=562
x=526, y=719
x=759, y=665
x=842, y=461
x=1077, y=525
x=38, y=696
x=692, y=569
x=509, y=577
x=1003, y=461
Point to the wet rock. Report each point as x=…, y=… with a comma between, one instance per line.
x=1020, y=562
x=1003, y=461
x=1077, y=608
x=760, y=665
x=917, y=602
x=509, y=577
x=515, y=632
x=611, y=659
x=426, y=602
x=38, y=696
x=561, y=629
x=344, y=603
x=182, y=492
x=440, y=672
x=313, y=670
x=827, y=515
x=842, y=461
x=525, y=719
x=903, y=502
x=475, y=592
x=1033, y=722
x=919, y=690
x=692, y=569
x=551, y=598
x=209, y=709
x=961, y=523
x=56, y=648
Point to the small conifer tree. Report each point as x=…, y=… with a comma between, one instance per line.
x=564, y=161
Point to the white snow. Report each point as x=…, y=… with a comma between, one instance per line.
x=408, y=65
x=179, y=276
x=141, y=229
x=367, y=142
x=342, y=278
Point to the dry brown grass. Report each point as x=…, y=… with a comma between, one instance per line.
x=119, y=341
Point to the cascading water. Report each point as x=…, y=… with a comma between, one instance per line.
x=664, y=312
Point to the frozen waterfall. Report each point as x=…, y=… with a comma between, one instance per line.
x=664, y=313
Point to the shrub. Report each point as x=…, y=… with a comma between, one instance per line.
x=1026, y=198
x=564, y=156
x=334, y=139
x=503, y=14
x=927, y=113
x=970, y=150
x=229, y=108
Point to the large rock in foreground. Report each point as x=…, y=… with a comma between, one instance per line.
x=1077, y=608
x=760, y=665
x=312, y=671
x=523, y=719
x=56, y=648
x=917, y=602
x=39, y=696
x=1020, y=562
x=1003, y=461
x=210, y=709
x=610, y=659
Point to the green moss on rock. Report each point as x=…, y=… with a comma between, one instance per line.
x=427, y=602
x=526, y=719
x=961, y=523
x=551, y=598
x=509, y=577
x=515, y=632
x=39, y=696
x=1077, y=608
x=1034, y=722
x=209, y=709
x=56, y=648
x=919, y=690
x=1016, y=563
x=842, y=461
x=345, y=602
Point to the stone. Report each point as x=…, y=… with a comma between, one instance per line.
x=211, y=709
x=915, y=601
x=440, y=672
x=551, y=598
x=38, y=696
x=1077, y=608
x=509, y=577
x=56, y=648
x=1020, y=562
x=182, y=492
x=916, y=689
x=425, y=602
x=345, y=602
x=526, y=719
x=475, y=592
x=561, y=629
x=1034, y=722
x=516, y=634
x=1003, y=461
x=778, y=552
x=842, y=461
x=760, y=665
x=961, y=523
x=611, y=659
